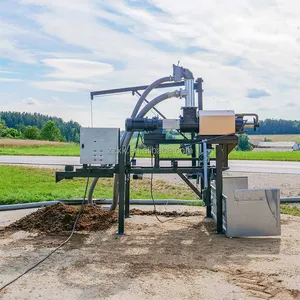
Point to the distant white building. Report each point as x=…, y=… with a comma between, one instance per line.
x=254, y=142
x=277, y=146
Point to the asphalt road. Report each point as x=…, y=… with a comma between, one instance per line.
x=235, y=165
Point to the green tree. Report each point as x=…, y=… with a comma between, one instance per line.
x=31, y=133
x=50, y=132
x=2, y=127
x=243, y=143
x=169, y=135
x=19, y=120
x=77, y=138
x=11, y=133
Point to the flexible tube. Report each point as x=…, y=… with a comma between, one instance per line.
x=147, y=91
x=146, y=109
x=157, y=100
x=126, y=141
x=137, y=107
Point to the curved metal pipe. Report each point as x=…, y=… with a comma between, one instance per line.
x=146, y=93
x=137, y=107
x=147, y=108
x=128, y=135
x=91, y=190
x=157, y=100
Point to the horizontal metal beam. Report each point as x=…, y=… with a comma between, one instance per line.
x=109, y=172
x=211, y=139
x=137, y=88
x=164, y=170
x=86, y=172
x=177, y=159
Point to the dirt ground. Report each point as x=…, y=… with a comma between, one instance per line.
x=180, y=259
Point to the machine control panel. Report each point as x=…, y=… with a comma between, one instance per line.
x=99, y=146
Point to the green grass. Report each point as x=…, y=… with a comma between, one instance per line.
x=28, y=184
x=276, y=156
x=290, y=210
x=68, y=149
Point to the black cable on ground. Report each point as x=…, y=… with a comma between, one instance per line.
x=151, y=192
x=58, y=247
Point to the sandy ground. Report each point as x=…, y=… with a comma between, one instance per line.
x=180, y=259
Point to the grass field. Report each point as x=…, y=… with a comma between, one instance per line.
x=25, y=184
x=71, y=149
x=15, y=187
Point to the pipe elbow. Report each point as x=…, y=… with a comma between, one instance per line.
x=187, y=74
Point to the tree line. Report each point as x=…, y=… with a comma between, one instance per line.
x=274, y=126
x=38, y=126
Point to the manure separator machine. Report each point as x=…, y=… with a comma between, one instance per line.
x=104, y=153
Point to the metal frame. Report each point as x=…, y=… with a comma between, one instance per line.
x=124, y=168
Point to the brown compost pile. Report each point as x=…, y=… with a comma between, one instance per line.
x=60, y=217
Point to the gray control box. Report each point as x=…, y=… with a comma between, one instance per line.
x=99, y=146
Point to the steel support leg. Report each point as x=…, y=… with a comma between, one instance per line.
x=193, y=151
x=127, y=184
x=219, y=188
x=156, y=155
x=121, y=217
x=225, y=156
x=208, y=197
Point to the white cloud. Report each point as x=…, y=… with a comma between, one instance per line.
x=7, y=72
x=262, y=36
x=31, y=101
x=77, y=68
x=10, y=47
x=63, y=86
x=10, y=79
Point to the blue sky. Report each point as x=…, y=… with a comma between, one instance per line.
x=54, y=52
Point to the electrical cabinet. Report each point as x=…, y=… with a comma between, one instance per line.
x=99, y=146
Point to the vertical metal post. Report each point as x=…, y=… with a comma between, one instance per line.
x=189, y=87
x=205, y=167
x=199, y=178
x=219, y=187
x=156, y=155
x=121, y=217
x=193, y=151
x=127, y=184
x=200, y=91
x=208, y=197
x=92, y=113
x=225, y=155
